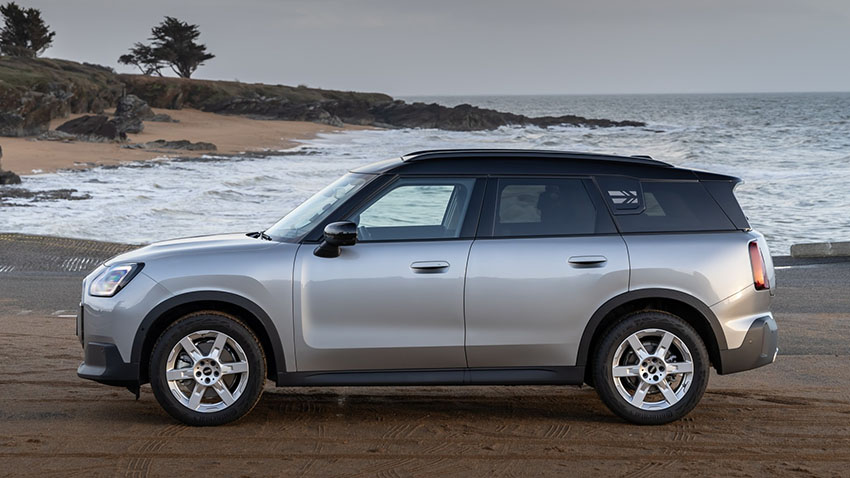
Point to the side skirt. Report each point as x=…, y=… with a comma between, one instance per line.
x=456, y=376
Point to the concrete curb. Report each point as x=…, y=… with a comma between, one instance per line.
x=821, y=249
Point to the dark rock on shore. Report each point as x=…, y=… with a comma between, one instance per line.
x=179, y=145
x=54, y=135
x=93, y=128
x=48, y=195
x=162, y=118
x=129, y=113
x=132, y=106
x=128, y=124
x=7, y=177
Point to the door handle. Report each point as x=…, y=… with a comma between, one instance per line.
x=429, y=266
x=587, y=261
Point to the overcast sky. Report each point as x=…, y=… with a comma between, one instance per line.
x=486, y=47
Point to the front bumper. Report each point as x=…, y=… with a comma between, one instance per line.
x=107, y=328
x=758, y=349
x=103, y=364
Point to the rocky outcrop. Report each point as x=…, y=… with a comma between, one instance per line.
x=468, y=118
x=397, y=114
x=178, y=145
x=30, y=113
x=93, y=128
x=7, y=177
x=274, y=108
x=34, y=91
x=334, y=107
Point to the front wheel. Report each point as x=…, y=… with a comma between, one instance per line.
x=651, y=368
x=207, y=369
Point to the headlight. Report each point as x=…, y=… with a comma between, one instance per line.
x=113, y=279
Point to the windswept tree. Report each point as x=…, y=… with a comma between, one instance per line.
x=24, y=32
x=173, y=44
x=144, y=58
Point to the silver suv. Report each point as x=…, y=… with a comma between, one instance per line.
x=452, y=267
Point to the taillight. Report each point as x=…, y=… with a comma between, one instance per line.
x=760, y=279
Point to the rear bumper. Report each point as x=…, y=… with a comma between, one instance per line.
x=103, y=364
x=758, y=349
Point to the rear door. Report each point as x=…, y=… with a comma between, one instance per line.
x=546, y=258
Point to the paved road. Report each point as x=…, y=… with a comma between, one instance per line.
x=791, y=418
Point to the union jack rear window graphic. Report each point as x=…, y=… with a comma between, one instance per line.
x=624, y=197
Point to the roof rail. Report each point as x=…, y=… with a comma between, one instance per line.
x=534, y=153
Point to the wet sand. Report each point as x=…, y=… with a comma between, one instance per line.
x=230, y=134
x=788, y=419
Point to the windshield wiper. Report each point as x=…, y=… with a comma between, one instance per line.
x=260, y=235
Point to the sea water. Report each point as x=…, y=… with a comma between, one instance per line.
x=791, y=150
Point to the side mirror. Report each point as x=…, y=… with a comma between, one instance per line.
x=343, y=233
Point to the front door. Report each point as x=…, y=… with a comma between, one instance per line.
x=395, y=299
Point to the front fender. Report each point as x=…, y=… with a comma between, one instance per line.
x=153, y=321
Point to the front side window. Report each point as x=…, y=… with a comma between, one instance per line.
x=547, y=207
x=311, y=212
x=411, y=209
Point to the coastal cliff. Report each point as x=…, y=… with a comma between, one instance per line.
x=35, y=91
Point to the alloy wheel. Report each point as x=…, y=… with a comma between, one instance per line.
x=207, y=371
x=652, y=369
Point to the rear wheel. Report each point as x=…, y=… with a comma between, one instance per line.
x=207, y=369
x=651, y=368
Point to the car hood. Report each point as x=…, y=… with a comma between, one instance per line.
x=215, y=244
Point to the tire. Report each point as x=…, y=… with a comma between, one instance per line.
x=664, y=385
x=218, y=382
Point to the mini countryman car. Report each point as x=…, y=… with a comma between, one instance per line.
x=451, y=267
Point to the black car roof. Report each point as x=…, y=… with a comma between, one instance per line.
x=531, y=161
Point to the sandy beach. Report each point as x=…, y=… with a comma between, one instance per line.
x=786, y=419
x=230, y=134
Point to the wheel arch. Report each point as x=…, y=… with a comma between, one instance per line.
x=686, y=306
x=168, y=311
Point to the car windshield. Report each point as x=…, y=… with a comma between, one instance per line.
x=305, y=217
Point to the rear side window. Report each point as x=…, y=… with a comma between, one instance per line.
x=547, y=207
x=665, y=206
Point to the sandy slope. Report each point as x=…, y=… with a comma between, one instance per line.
x=231, y=134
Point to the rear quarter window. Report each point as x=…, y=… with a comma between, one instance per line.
x=664, y=206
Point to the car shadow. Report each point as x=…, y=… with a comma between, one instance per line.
x=469, y=403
